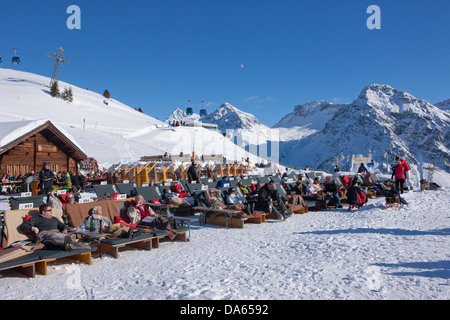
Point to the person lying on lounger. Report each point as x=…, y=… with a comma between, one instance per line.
x=50, y=231
x=139, y=213
x=97, y=222
x=212, y=199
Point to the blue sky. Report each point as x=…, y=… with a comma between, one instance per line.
x=159, y=54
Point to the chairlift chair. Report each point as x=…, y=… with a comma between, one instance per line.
x=15, y=59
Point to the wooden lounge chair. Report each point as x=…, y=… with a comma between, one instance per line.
x=77, y=212
x=393, y=202
x=34, y=261
x=154, y=193
x=219, y=217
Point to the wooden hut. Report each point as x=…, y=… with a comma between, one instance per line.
x=26, y=145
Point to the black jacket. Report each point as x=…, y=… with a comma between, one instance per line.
x=193, y=171
x=265, y=197
x=46, y=177
x=75, y=180
x=331, y=187
x=43, y=224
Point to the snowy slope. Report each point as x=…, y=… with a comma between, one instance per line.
x=111, y=133
x=25, y=97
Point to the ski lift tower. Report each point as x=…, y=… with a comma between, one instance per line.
x=59, y=58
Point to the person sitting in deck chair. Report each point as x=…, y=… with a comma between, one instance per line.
x=97, y=222
x=311, y=189
x=174, y=198
x=234, y=199
x=138, y=210
x=356, y=197
x=178, y=189
x=141, y=214
x=270, y=201
x=222, y=182
x=50, y=231
x=294, y=196
x=298, y=188
x=368, y=181
x=213, y=200
x=243, y=189
x=331, y=191
x=317, y=185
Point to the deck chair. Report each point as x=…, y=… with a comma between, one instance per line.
x=263, y=179
x=150, y=193
x=192, y=187
x=105, y=191
x=223, y=218
x=127, y=188
x=276, y=178
x=206, y=180
x=17, y=203
x=281, y=189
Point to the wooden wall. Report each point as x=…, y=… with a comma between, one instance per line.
x=30, y=154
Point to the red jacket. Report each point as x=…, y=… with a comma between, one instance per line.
x=404, y=164
x=399, y=172
x=347, y=181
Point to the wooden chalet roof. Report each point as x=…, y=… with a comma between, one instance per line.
x=54, y=135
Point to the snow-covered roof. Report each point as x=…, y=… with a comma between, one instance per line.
x=13, y=131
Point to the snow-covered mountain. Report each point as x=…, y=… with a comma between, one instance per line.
x=305, y=120
x=241, y=128
x=444, y=105
x=228, y=117
x=382, y=122
x=106, y=129
x=181, y=115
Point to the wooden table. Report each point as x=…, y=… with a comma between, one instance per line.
x=92, y=237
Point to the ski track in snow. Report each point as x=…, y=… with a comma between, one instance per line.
x=372, y=253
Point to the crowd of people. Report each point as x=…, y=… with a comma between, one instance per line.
x=177, y=123
x=242, y=200
x=49, y=181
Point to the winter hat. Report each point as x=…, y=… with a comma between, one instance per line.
x=44, y=164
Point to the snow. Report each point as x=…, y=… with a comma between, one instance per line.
x=444, y=105
x=10, y=131
x=369, y=254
